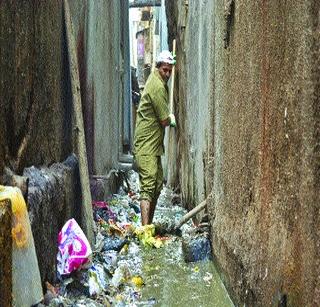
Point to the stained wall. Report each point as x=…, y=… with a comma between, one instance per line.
x=248, y=97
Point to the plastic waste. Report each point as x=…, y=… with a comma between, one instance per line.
x=26, y=281
x=146, y=236
x=114, y=228
x=102, y=210
x=110, y=259
x=114, y=243
x=97, y=279
x=74, y=249
x=197, y=249
x=121, y=275
x=133, y=249
x=137, y=281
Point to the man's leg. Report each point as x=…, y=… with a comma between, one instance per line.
x=152, y=209
x=145, y=207
x=159, y=185
x=147, y=168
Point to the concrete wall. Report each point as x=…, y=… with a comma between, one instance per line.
x=36, y=104
x=32, y=64
x=262, y=89
x=103, y=65
x=98, y=34
x=193, y=94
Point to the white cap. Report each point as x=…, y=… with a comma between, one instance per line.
x=166, y=56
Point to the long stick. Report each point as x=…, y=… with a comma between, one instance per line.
x=86, y=212
x=172, y=77
x=192, y=213
x=171, y=138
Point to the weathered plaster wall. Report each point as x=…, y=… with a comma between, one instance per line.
x=34, y=82
x=36, y=103
x=266, y=177
x=103, y=81
x=193, y=94
x=97, y=32
x=32, y=61
x=266, y=123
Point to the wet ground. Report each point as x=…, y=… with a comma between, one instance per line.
x=172, y=281
x=130, y=269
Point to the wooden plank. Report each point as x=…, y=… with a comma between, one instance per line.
x=86, y=210
x=5, y=253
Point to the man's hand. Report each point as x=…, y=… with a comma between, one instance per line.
x=172, y=120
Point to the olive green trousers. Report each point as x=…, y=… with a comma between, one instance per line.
x=150, y=176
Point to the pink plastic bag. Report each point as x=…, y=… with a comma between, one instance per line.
x=74, y=248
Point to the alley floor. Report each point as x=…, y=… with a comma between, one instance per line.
x=131, y=267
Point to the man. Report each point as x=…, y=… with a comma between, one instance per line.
x=152, y=118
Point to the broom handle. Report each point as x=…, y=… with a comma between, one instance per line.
x=172, y=78
x=192, y=213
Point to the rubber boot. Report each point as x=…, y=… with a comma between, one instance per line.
x=145, y=212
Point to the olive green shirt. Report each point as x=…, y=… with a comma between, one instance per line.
x=153, y=108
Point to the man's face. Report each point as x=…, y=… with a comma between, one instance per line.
x=165, y=71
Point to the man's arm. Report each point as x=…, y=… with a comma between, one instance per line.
x=160, y=106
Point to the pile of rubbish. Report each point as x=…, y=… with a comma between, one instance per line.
x=111, y=272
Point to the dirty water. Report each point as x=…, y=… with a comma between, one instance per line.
x=127, y=271
x=173, y=282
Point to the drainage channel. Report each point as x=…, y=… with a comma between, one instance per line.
x=134, y=267
x=170, y=280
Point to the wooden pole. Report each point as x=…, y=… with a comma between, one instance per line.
x=86, y=210
x=171, y=162
x=192, y=213
x=172, y=78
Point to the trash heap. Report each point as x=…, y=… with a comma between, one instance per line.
x=112, y=272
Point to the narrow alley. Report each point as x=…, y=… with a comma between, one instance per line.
x=160, y=153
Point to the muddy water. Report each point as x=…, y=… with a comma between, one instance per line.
x=170, y=281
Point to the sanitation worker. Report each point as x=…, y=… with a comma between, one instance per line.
x=152, y=117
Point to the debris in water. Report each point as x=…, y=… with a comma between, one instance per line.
x=197, y=248
x=146, y=234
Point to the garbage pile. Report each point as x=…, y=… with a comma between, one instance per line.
x=111, y=272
